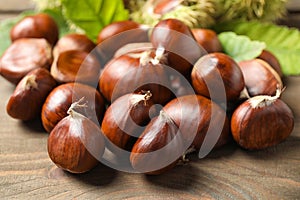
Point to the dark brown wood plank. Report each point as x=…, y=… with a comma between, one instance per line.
x=228, y=173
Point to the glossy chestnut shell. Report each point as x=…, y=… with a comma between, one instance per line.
x=116, y=28
x=117, y=34
x=272, y=60
x=36, y=26
x=127, y=74
x=159, y=147
x=208, y=39
x=177, y=39
x=76, y=66
x=27, y=100
x=260, y=78
x=198, y=118
x=261, y=122
x=215, y=72
x=23, y=56
x=76, y=144
x=60, y=99
x=124, y=119
x=73, y=41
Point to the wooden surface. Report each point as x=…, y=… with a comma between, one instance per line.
x=26, y=172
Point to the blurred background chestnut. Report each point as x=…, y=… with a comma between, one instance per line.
x=260, y=78
x=36, y=26
x=23, y=56
x=208, y=39
x=73, y=41
x=79, y=66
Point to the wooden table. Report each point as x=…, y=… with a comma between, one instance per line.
x=26, y=172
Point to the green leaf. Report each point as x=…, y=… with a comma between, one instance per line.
x=93, y=15
x=282, y=41
x=240, y=47
x=5, y=27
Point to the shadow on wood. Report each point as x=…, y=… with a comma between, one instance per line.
x=35, y=125
x=181, y=177
x=99, y=176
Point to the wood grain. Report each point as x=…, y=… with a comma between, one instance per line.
x=228, y=173
x=26, y=172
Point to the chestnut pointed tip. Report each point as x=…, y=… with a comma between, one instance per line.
x=29, y=95
x=76, y=144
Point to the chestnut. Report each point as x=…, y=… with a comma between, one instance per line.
x=168, y=25
x=215, y=72
x=159, y=147
x=76, y=143
x=36, y=26
x=208, y=39
x=74, y=65
x=262, y=121
x=272, y=60
x=200, y=120
x=125, y=118
x=260, y=78
x=60, y=99
x=177, y=39
x=73, y=41
x=23, y=56
x=117, y=34
x=27, y=100
x=134, y=72
x=116, y=28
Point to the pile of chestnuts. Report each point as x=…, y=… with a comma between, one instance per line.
x=156, y=93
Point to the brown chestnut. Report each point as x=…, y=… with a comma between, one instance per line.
x=27, y=100
x=134, y=72
x=208, y=39
x=36, y=26
x=23, y=56
x=116, y=35
x=73, y=41
x=215, y=72
x=76, y=66
x=60, y=99
x=76, y=143
x=177, y=39
x=116, y=28
x=159, y=147
x=272, y=60
x=260, y=78
x=198, y=118
x=261, y=122
x=125, y=118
